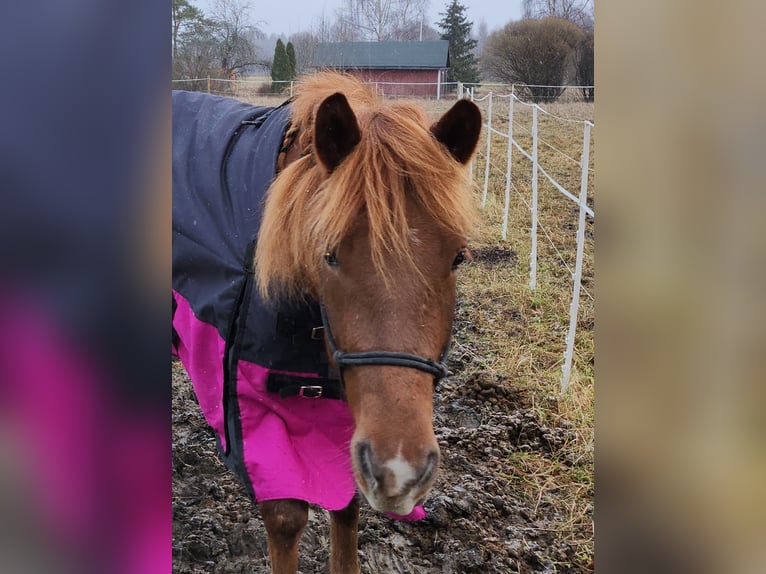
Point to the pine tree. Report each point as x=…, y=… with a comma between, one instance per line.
x=456, y=29
x=279, y=67
x=291, y=61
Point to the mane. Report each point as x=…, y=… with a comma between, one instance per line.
x=309, y=211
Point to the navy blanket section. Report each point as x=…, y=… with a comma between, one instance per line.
x=224, y=160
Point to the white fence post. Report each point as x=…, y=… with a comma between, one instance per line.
x=575, y=305
x=473, y=157
x=508, y=169
x=489, y=148
x=533, y=250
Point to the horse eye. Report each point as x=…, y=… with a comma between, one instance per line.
x=330, y=257
x=461, y=256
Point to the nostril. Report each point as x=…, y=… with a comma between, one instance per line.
x=430, y=468
x=366, y=465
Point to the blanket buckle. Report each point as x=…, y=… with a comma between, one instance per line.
x=317, y=333
x=310, y=391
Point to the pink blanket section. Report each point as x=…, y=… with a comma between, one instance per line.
x=294, y=447
x=200, y=349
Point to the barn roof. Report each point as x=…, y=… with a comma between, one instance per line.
x=383, y=55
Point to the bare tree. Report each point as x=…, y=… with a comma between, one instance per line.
x=219, y=45
x=380, y=19
x=345, y=30
x=320, y=30
x=481, y=36
x=410, y=15
x=305, y=44
x=536, y=53
x=196, y=51
x=417, y=31
x=370, y=18
x=236, y=35
x=578, y=12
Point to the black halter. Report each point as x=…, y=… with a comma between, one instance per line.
x=343, y=359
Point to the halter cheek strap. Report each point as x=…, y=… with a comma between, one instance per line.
x=343, y=359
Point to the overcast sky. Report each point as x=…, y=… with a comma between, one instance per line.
x=289, y=16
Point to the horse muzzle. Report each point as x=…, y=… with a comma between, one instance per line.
x=394, y=484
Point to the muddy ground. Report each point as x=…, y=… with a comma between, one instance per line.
x=477, y=521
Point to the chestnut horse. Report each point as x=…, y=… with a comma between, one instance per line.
x=369, y=215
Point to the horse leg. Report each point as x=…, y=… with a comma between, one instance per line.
x=344, y=525
x=285, y=521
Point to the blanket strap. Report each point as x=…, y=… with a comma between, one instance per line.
x=306, y=387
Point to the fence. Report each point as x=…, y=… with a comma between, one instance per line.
x=532, y=155
x=251, y=87
x=248, y=88
x=242, y=88
x=532, y=92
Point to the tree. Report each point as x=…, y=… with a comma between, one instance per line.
x=456, y=29
x=417, y=31
x=409, y=19
x=481, y=38
x=279, y=67
x=323, y=29
x=305, y=44
x=292, y=63
x=538, y=53
x=183, y=16
x=218, y=46
x=236, y=49
x=584, y=65
x=579, y=12
x=196, y=51
x=378, y=20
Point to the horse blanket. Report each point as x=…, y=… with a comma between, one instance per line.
x=258, y=369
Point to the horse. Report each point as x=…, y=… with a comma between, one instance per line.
x=349, y=253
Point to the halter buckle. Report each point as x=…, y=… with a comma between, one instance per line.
x=317, y=333
x=310, y=391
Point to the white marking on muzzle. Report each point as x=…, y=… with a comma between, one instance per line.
x=402, y=472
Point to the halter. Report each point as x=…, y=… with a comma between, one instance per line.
x=344, y=359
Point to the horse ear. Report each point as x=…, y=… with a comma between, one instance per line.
x=459, y=129
x=336, y=131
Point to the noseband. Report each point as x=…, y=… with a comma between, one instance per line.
x=344, y=359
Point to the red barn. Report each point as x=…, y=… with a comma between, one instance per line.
x=396, y=68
